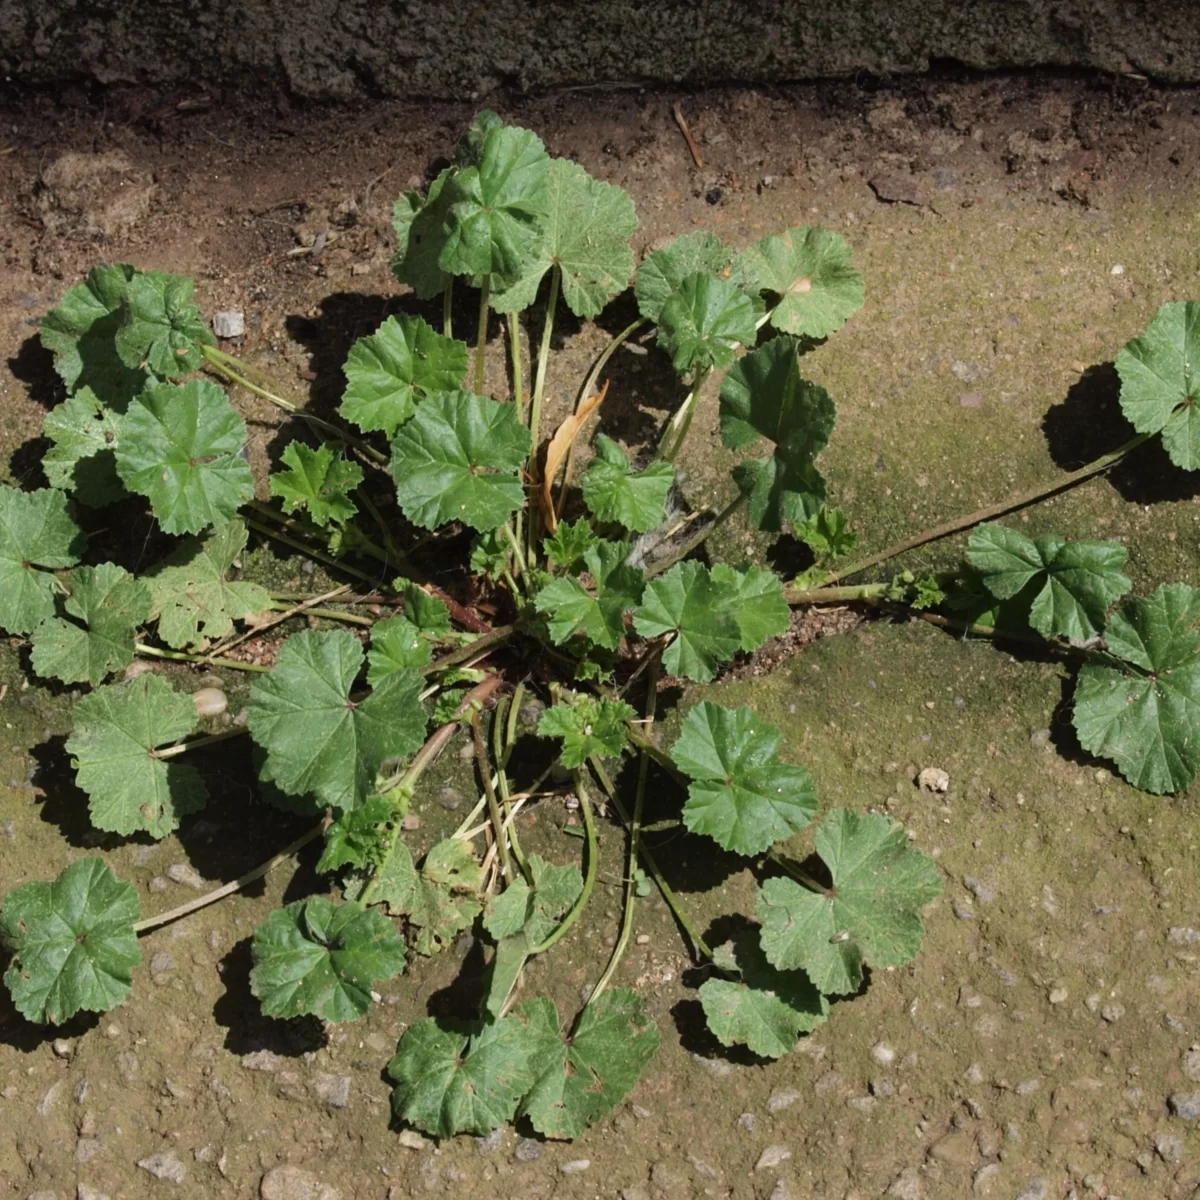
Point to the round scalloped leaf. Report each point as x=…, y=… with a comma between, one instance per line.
x=161, y=327
x=420, y=225
x=36, y=531
x=664, y=270
x=704, y=320
x=614, y=491
x=73, y=942
x=741, y=795
x=599, y=615
x=181, y=447
x=82, y=457
x=587, y=726
x=320, y=958
x=318, y=481
x=396, y=645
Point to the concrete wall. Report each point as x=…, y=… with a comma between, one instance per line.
x=343, y=49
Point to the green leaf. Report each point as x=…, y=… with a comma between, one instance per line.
x=765, y=1010
x=688, y=602
x=319, y=481
x=453, y=1077
x=742, y=796
x=586, y=234
x=161, y=327
x=571, y=541
x=440, y=900
x=457, y=460
x=614, y=491
x=36, y=531
x=446, y=707
x=1160, y=381
x=664, y=270
x=392, y=370
x=534, y=911
x=1143, y=715
x=871, y=914
x=420, y=224
x=498, y=207
x=72, y=941
x=317, y=738
x=489, y=553
x=1070, y=585
x=469, y=151
x=360, y=838
x=181, y=448
x=83, y=454
x=110, y=604
x=396, y=645
x=81, y=333
x=757, y=601
x=583, y=1077
x=587, y=726
x=322, y=958
x=194, y=598
x=117, y=730
x=764, y=396
x=828, y=533
x=600, y=615
x=927, y=593
x=430, y=614
x=704, y=321
x=810, y=270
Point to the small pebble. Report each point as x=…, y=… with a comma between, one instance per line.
x=334, y=1090
x=1191, y=1061
x=862, y=1103
x=1028, y=1086
x=1035, y=1189
x=906, y=1186
x=294, y=1183
x=1039, y=739
x=1058, y=995
x=493, y=1141
x=883, y=1054
x=528, y=1150
x=933, y=779
x=164, y=1166
x=962, y=910
x=186, y=874
x=779, y=1101
x=262, y=1060
x=771, y=1157
x=747, y=1122
x=642, y=939
x=1169, y=1147
x=229, y=324
x=62, y=1047
x=716, y=1067
x=1117, y=269
x=1112, y=1013
x=410, y=1139
x=161, y=963
x=210, y=702
x=984, y=892
x=884, y=1089
x=1183, y=935
x=575, y=1167
x=1185, y=1105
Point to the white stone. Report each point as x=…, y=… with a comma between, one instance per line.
x=229, y=324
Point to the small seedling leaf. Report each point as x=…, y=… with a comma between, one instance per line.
x=584, y=1077
x=396, y=645
x=598, y=615
x=440, y=900
x=317, y=481
x=430, y=614
x=82, y=456
x=1070, y=586
x=320, y=958
x=72, y=942
x=161, y=327
x=392, y=370
x=872, y=914
x=181, y=447
x=469, y=151
x=741, y=795
x=117, y=729
x=457, y=460
x=810, y=270
x=765, y=396
x=37, y=531
x=587, y=726
x=1143, y=714
x=704, y=321
x=109, y=605
x=317, y=739
x=664, y=270
x=827, y=533
x=361, y=837
x=490, y=553
x=614, y=491
x=570, y=542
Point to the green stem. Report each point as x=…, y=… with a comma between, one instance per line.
x=144, y=651
x=448, y=307
x=837, y=595
x=1022, y=500
x=312, y=552
x=470, y=650
x=734, y=506
x=199, y=743
x=518, y=553
x=677, y=428
x=514, y=339
x=497, y=817
x=329, y=614
x=502, y=749
x=485, y=294
x=589, y=879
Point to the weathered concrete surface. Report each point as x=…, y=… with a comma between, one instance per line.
x=343, y=49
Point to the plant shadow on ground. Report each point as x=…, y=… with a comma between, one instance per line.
x=24, y=1036
x=1089, y=424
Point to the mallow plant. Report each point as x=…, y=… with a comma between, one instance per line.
x=487, y=571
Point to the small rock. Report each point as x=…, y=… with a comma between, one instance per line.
x=831, y=1081
x=1185, y=1105
x=86, y=1148
x=229, y=324
x=575, y=1167
x=1112, y=1013
x=970, y=399
x=906, y=1186
x=967, y=372
x=717, y=1067
x=62, y=1047
x=83, y=1192
x=1169, y=1147
x=974, y=1074
x=164, y=1166
x=493, y=1141
x=771, y=1157
x=956, y=1148
x=969, y=998
x=528, y=1150
x=703, y=1168
x=780, y=1191
x=933, y=779
x=982, y=1184
x=883, y=1054
x=1183, y=935
x=962, y=910
x=263, y=1060
x=1117, y=269
x=1035, y=1189
x=1028, y=1086
x=779, y=1101
x=294, y=1183
x=884, y=1089
x=186, y=874
x=1058, y=995
x=1191, y=1061
x=161, y=963
x=635, y=1193
x=985, y=893
x=1039, y=739
x=410, y=1139
x=864, y=1104
x=747, y=1122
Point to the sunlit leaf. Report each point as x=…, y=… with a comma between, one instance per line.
x=664, y=270
x=82, y=457
x=703, y=322
x=614, y=491
x=587, y=726
x=37, y=534
x=318, y=482
x=161, y=327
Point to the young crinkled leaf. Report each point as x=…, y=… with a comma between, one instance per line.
x=827, y=533
x=600, y=615
x=871, y=914
x=742, y=796
x=81, y=333
x=763, y=1009
x=322, y=958
x=614, y=491
x=1160, y=381
x=1070, y=585
x=161, y=327
x=317, y=481
x=420, y=224
x=538, y=910
x=458, y=460
x=704, y=320
x=72, y=943
x=110, y=604
x=587, y=726
x=581, y=1078
x=317, y=738
x=586, y=235
x=82, y=458
x=1143, y=714
x=117, y=730
x=764, y=396
x=809, y=269
x=389, y=372
x=36, y=531
x=181, y=448
x=498, y=207
x=361, y=837
x=664, y=270
x=194, y=598
x=490, y=553
x=565, y=550
x=440, y=900
x=452, y=1077
x=396, y=645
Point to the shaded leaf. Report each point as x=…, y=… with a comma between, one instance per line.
x=396, y=645
x=598, y=615
x=490, y=553
x=430, y=614
x=614, y=491
x=828, y=533
x=361, y=837
x=664, y=270
x=569, y=543
x=82, y=457
x=161, y=326
x=317, y=481
x=587, y=726
x=703, y=322
x=420, y=223
x=469, y=151
x=37, y=531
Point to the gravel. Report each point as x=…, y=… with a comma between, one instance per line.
x=771, y=1157
x=164, y=1166
x=528, y=1150
x=229, y=324
x=294, y=1183
x=186, y=874
x=334, y=1090
x=1185, y=1105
